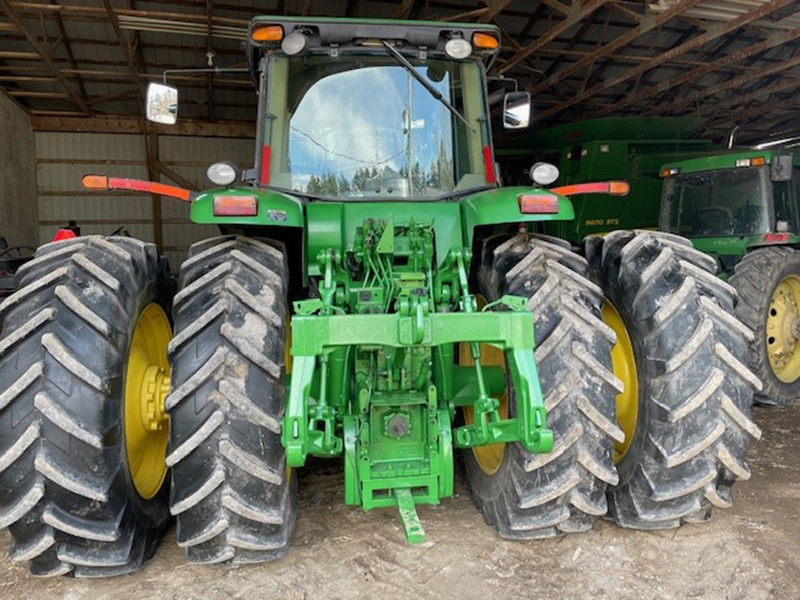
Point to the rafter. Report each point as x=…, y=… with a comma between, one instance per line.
x=579, y=12
x=693, y=44
x=775, y=39
x=43, y=54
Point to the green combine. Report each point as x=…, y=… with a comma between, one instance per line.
x=631, y=149
x=742, y=208
x=375, y=296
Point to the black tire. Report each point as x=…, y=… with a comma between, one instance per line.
x=755, y=278
x=695, y=390
x=539, y=496
x=230, y=493
x=65, y=489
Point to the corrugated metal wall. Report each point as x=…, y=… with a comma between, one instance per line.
x=63, y=158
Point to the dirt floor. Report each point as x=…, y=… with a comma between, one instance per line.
x=751, y=551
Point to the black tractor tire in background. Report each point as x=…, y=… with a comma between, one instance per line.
x=564, y=491
x=756, y=278
x=234, y=499
x=695, y=389
x=66, y=492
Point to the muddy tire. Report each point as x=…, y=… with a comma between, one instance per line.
x=756, y=278
x=545, y=495
x=66, y=492
x=231, y=493
x=693, y=423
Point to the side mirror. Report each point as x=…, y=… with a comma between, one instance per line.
x=162, y=103
x=781, y=168
x=517, y=110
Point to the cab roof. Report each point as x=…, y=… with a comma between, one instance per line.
x=351, y=33
x=725, y=160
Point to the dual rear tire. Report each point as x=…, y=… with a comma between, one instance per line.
x=650, y=409
x=85, y=447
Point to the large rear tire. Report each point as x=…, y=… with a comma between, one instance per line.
x=234, y=499
x=68, y=493
x=528, y=496
x=692, y=422
x=768, y=282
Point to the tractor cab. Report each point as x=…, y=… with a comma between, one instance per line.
x=731, y=202
x=356, y=110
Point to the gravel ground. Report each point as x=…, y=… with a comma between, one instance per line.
x=751, y=551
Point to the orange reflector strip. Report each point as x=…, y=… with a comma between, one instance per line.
x=485, y=40
x=103, y=182
x=758, y=161
x=267, y=33
x=538, y=204
x=619, y=188
x=613, y=188
x=235, y=206
x=95, y=182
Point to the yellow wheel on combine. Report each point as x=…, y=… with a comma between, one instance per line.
x=83, y=376
x=768, y=283
x=783, y=330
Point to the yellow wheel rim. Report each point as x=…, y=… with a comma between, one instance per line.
x=783, y=330
x=624, y=365
x=488, y=457
x=146, y=387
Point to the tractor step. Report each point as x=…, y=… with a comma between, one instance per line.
x=415, y=534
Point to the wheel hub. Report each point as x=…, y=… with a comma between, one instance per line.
x=783, y=330
x=147, y=380
x=155, y=387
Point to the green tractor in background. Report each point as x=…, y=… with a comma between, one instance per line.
x=375, y=296
x=742, y=208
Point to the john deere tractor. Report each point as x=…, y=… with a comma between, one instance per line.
x=742, y=208
x=377, y=297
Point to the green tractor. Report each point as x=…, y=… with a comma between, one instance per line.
x=742, y=208
x=374, y=296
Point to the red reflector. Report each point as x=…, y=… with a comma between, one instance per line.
x=64, y=234
x=776, y=237
x=538, y=204
x=265, y=158
x=487, y=161
x=235, y=206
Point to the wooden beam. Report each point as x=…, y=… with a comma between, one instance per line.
x=128, y=124
x=646, y=25
x=713, y=33
x=70, y=55
x=577, y=13
x=732, y=84
x=404, y=9
x=495, y=8
x=556, y=5
x=42, y=52
x=774, y=39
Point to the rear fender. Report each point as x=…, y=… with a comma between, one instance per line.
x=501, y=206
x=274, y=208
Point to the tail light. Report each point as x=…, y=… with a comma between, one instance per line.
x=538, y=204
x=235, y=206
